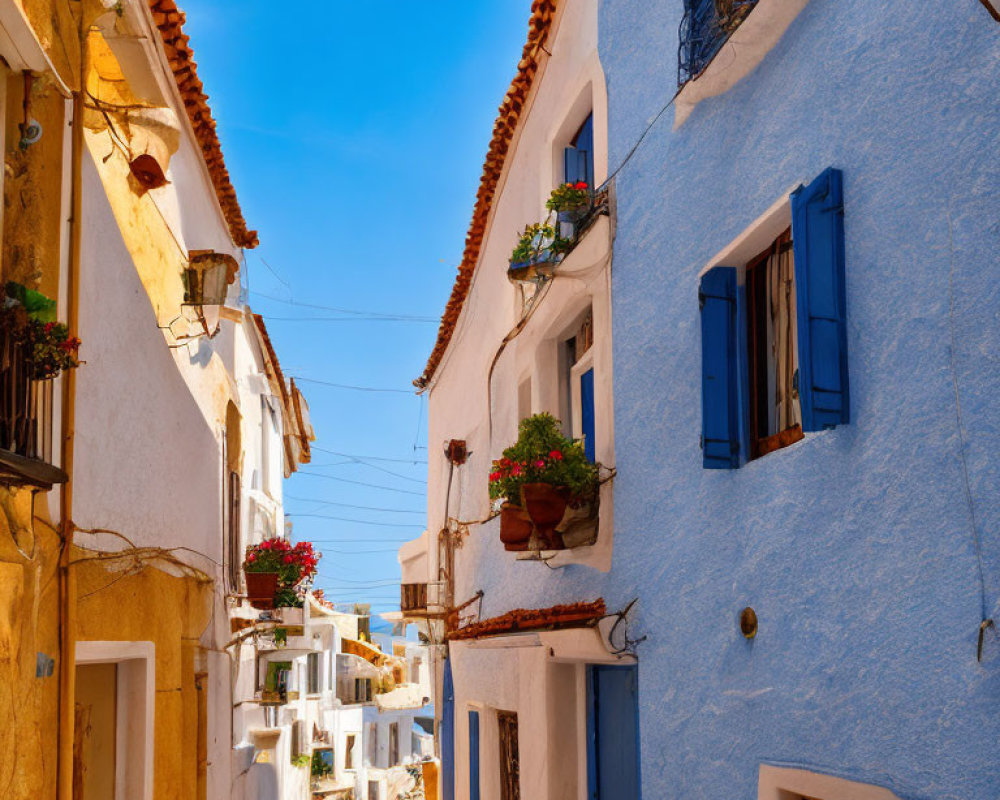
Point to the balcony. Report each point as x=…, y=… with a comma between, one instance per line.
x=26, y=411
x=706, y=26
x=413, y=597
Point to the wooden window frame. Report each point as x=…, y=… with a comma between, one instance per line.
x=757, y=357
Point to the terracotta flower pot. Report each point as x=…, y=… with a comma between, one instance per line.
x=546, y=505
x=515, y=527
x=261, y=589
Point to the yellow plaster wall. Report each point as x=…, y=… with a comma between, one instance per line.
x=33, y=187
x=29, y=624
x=124, y=600
x=57, y=31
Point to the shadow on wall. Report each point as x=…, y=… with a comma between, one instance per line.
x=262, y=781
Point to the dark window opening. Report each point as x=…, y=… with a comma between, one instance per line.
x=774, y=414
x=510, y=768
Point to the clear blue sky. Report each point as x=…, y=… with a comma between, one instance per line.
x=355, y=133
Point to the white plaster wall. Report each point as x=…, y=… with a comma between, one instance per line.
x=548, y=699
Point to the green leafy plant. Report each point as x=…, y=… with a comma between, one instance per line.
x=280, y=637
x=542, y=454
x=294, y=564
x=537, y=240
x=302, y=760
x=569, y=197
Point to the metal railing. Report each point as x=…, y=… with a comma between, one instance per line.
x=25, y=403
x=705, y=27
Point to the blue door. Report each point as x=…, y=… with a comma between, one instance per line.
x=447, y=733
x=613, y=732
x=473, y=755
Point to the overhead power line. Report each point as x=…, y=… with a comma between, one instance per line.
x=354, y=456
x=359, y=483
x=360, y=521
x=356, y=312
x=349, y=505
x=351, y=386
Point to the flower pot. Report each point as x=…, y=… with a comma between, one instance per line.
x=546, y=505
x=261, y=588
x=515, y=527
x=572, y=214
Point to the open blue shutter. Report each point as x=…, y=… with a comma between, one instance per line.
x=720, y=433
x=818, y=244
x=474, y=755
x=587, y=414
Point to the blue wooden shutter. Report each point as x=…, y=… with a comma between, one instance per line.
x=587, y=414
x=474, y=755
x=720, y=437
x=613, y=733
x=820, y=279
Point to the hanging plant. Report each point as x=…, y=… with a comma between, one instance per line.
x=28, y=318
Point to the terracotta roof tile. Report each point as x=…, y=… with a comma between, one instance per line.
x=169, y=19
x=521, y=620
x=542, y=14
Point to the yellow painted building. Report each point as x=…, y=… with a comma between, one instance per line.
x=117, y=549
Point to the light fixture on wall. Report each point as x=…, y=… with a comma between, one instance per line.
x=748, y=622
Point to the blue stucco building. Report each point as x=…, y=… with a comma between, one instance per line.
x=796, y=365
x=870, y=552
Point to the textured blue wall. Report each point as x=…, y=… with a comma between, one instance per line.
x=856, y=547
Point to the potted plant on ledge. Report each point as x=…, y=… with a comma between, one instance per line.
x=537, y=252
x=274, y=569
x=571, y=202
x=540, y=477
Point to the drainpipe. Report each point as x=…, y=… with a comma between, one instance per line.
x=67, y=610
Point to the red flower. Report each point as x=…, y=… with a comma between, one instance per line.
x=49, y=326
x=556, y=455
x=539, y=463
x=251, y=558
x=580, y=185
x=265, y=545
x=289, y=559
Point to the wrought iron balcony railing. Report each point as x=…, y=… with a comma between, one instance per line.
x=26, y=411
x=705, y=27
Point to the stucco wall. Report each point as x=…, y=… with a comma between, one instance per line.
x=855, y=546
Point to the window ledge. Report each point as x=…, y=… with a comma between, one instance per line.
x=17, y=470
x=740, y=55
x=591, y=251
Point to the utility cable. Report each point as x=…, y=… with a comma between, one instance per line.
x=352, y=387
x=359, y=521
x=354, y=456
x=380, y=315
x=348, y=505
x=359, y=483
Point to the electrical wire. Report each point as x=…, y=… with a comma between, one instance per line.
x=352, y=387
x=348, y=505
x=359, y=483
x=354, y=456
x=359, y=521
x=375, y=314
